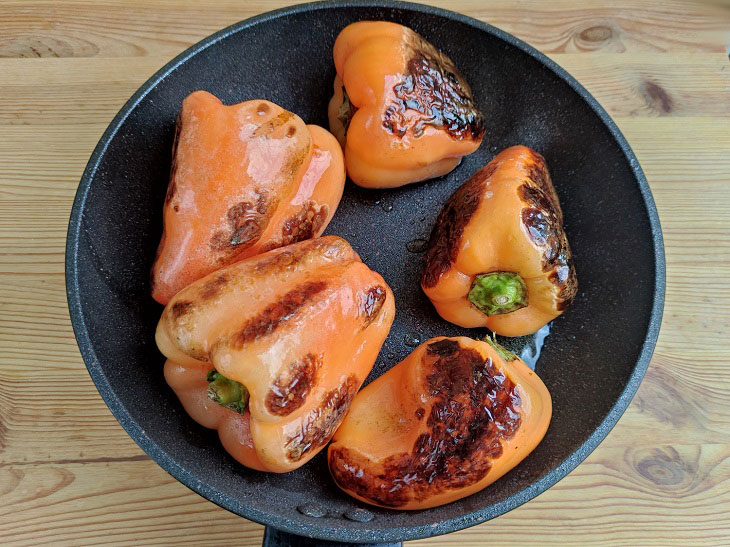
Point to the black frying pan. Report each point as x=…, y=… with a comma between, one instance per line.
x=592, y=361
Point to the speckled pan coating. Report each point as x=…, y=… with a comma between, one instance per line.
x=592, y=362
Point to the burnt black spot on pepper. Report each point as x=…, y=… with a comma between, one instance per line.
x=563, y=276
x=443, y=347
x=540, y=189
x=246, y=222
x=305, y=224
x=543, y=220
x=542, y=229
x=433, y=87
x=322, y=422
x=180, y=308
x=534, y=196
x=291, y=387
x=449, y=228
x=371, y=303
x=420, y=412
x=474, y=408
x=276, y=314
x=291, y=131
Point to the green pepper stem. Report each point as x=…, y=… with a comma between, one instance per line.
x=495, y=293
x=503, y=352
x=227, y=392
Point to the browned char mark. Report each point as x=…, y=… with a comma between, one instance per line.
x=287, y=258
x=269, y=126
x=318, y=427
x=180, y=308
x=246, y=222
x=172, y=185
x=453, y=218
x=212, y=288
x=371, y=302
x=277, y=313
x=543, y=220
x=474, y=407
x=291, y=387
x=305, y=224
x=435, y=88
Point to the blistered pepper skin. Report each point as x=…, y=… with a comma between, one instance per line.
x=446, y=422
x=299, y=327
x=505, y=221
x=401, y=109
x=245, y=179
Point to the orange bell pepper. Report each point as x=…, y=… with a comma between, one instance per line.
x=271, y=350
x=245, y=179
x=498, y=255
x=446, y=422
x=401, y=109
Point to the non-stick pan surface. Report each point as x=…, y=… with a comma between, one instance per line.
x=592, y=361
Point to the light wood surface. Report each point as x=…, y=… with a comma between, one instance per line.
x=69, y=474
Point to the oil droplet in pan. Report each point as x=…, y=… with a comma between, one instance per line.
x=411, y=340
x=417, y=246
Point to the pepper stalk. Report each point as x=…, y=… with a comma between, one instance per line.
x=495, y=293
x=226, y=392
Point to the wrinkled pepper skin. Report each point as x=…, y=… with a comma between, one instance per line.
x=504, y=221
x=446, y=422
x=298, y=327
x=401, y=109
x=245, y=179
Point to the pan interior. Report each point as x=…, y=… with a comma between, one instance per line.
x=587, y=361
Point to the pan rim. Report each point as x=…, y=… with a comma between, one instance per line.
x=301, y=527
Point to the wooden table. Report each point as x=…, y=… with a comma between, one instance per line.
x=69, y=474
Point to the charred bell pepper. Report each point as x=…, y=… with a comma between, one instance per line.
x=498, y=255
x=401, y=109
x=245, y=179
x=446, y=422
x=271, y=350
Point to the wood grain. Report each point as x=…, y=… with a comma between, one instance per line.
x=69, y=475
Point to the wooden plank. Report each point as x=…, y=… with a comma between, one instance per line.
x=651, y=494
x=135, y=28
x=643, y=85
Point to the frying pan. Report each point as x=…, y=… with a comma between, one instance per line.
x=592, y=361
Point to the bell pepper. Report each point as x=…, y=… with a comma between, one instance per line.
x=498, y=255
x=271, y=350
x=245, y=179
x=401, y=109
x=446, y=422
